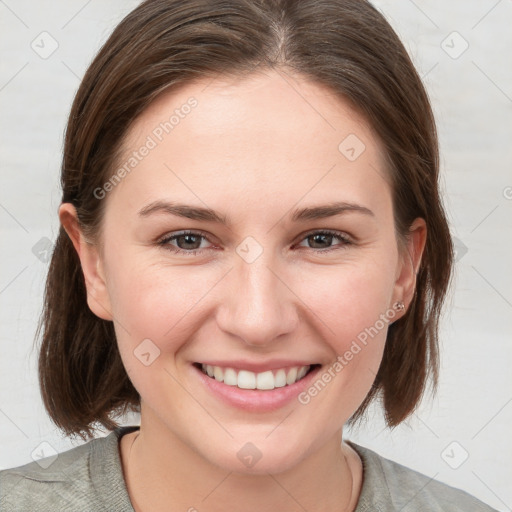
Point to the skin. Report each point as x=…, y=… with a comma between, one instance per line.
x=254, y=149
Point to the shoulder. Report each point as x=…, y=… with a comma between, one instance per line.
x=389, y=486
x=79, y=479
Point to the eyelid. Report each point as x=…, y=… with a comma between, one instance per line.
x=181, y=232
x=164, y=240
x=176, y=234
x=334, y=232
x=341, y=235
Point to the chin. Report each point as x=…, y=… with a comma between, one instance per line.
x=273, y=463
x=259, y=456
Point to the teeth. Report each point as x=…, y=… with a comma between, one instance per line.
x=280, y=379
x=230, y=377
x=245, y=379
x=291, y=376
x=301, y=372
x=265, y=380
x=218, y=373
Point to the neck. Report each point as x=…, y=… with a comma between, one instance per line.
x=163, y=473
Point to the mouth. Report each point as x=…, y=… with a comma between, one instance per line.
x=263, y=381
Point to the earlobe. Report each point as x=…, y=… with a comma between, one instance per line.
x=410, y=262
x=97, y=293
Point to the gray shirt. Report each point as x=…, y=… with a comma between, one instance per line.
x=90, y=478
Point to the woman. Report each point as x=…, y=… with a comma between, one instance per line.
x=252, y=250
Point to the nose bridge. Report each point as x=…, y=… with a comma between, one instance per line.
x=257, y=306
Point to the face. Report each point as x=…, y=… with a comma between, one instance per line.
x=255, y=235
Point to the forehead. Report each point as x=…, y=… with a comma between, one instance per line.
x=268, y=133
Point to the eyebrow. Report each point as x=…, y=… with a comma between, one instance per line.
x=209, y=215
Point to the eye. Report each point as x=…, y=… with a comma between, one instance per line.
x=187, y=242
x=322, y=240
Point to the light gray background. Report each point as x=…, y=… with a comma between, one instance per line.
x=471, y=90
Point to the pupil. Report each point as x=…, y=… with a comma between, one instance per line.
x=188, y=238
x=325, y=238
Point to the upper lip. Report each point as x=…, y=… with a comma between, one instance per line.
x=257, y=367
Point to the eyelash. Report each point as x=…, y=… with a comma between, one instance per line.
x=164, y=242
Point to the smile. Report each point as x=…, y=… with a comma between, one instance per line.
x=266, y=380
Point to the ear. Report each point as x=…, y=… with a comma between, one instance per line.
x=98, y=298
x=409, y=262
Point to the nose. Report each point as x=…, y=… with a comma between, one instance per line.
x=257, y=305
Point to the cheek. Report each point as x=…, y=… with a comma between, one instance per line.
x=349, y=299
x=156, y=309
x=342, y=305
x=352, y=304
x=163, y=302
x=156, y=302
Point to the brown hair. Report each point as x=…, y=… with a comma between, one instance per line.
x=346, y=45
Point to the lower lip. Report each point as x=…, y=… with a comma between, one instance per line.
x=256, y=400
